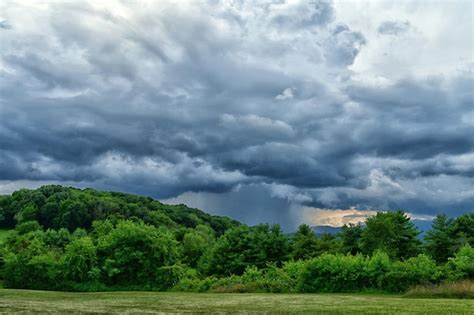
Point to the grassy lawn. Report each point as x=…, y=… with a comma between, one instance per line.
x=26, y=301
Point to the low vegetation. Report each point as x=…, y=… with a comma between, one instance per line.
x=41, y=302
x=459, y=290
x=83, y=240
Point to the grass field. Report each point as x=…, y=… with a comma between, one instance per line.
x=45, y=302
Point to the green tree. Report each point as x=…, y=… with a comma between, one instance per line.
x=462, y=230
x=244, y=246
x=28, y=264
x=304, y=243
x=29, y=226
x=133, y=253
x=439, y=244
x=461, y=266
x=196, y=242
x=391, y=232
x=350, y=236
x=80, y=260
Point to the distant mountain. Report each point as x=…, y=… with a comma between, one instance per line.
x=325, y=229
x=422, y=225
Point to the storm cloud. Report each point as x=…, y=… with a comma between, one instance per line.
x=259, y=112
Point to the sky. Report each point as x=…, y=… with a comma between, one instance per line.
x=283, y=112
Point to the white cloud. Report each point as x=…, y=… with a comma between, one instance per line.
x=285, y=95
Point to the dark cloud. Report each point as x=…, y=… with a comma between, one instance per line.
x=176, y=101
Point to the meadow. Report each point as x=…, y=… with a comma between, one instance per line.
x=48, y=302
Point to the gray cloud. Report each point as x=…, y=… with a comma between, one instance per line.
x=5, y=25
x=393, y=27
x=189, y=102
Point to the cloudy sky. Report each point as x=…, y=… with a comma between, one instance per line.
x=286, y=112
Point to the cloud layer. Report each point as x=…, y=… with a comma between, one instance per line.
x=305, y=104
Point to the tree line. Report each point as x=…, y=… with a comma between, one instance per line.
x=86, y=240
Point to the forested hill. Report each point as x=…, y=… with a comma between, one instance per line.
x=55, y=206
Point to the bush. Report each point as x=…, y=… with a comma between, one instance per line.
x=134, y=254
x=376, y=269
x=416, y=270
x=192, y=283
x=29, y=226
x=334, y=273
x=461, y=266
x=40, y=272
x=80, y=261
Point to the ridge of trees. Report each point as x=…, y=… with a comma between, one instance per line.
x=55, y=206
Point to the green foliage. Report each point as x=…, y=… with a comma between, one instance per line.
x=133, y=253
x=439, y=244
x=461, y=266
x=334, y=273
x=55, y=206
x=31, y=265
x=28, y=226
x=196, y=242
x=416, y=270
x=391, y=232
x=80, y=262
x=85, y=240
x=350, y=236
x=305, y=243
x=376, y=269
x=462, y=230
x=243, y=246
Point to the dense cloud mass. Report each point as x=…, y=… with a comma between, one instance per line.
x=259, y=112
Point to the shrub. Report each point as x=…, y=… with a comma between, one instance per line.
x=29, y=226
x=416, y=270
x=376, y=268
x=194, y=284
x=334, y=273
x=80, y=261
x=461, y=266
x=134, y=254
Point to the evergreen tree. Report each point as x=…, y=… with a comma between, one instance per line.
x=350, y=236
x=305, y=243
x=392, y=232
x=439, y=245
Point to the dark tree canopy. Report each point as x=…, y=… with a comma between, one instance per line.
x=55, y=206
x=392, y=232
x=438, y=243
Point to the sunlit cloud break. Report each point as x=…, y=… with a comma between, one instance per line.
x=340, y=217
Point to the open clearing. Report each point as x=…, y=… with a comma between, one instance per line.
x=26, y=301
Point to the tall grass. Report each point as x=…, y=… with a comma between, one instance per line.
x=451, y=290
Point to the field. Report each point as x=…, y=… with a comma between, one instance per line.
x=26, y=301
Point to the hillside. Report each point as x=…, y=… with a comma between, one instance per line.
x=55, y=206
